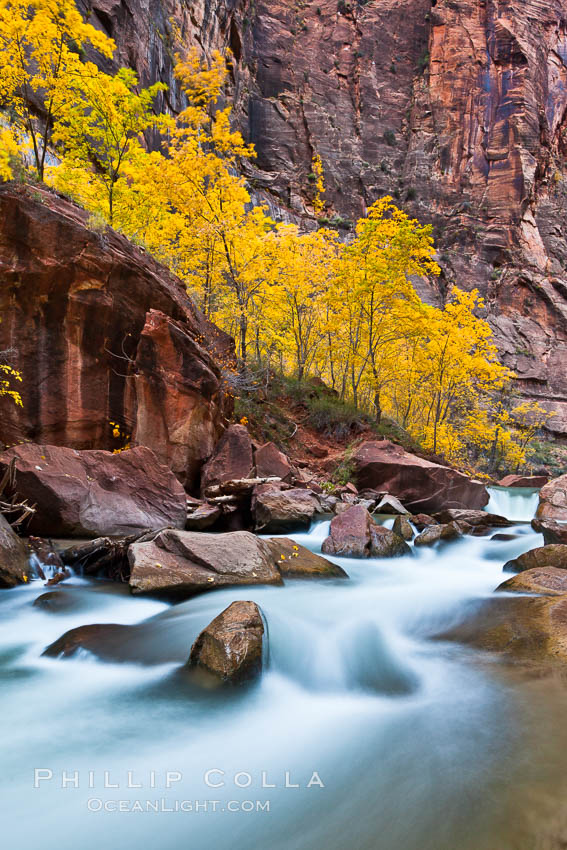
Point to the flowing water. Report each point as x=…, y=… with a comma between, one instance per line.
x=396, y=740
x=516, y=503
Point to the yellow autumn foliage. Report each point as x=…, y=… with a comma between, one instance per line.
x=307, y=303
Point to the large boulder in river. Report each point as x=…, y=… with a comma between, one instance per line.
x=95, y=493
x=553, y=532
x=527, y=628
x=554, y=555
x=231, y=459
x=14, y=565
x=553, y=499
x=230, y=647
x=354, y=534
x=182, y=563
x=546, y=581
x=279, y=511
x=296, y=561
x=271, y=463
x=422, y=486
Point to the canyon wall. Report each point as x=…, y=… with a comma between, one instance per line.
x=109, y=345
x=455, y=107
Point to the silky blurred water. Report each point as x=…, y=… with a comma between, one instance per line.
x=418, y=743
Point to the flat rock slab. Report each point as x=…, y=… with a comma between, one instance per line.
x=294, y=561
x=547, y=581
x=474, y=518
x=182, y=563
x=554, y=555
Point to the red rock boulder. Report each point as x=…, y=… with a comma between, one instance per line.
x=271, y=462
x=536, y=481
x=232, y=458
x=95, y=493
x=14, y=561
x=422, y=486
x=230, y=648
x=553, y=499
x=353, y=533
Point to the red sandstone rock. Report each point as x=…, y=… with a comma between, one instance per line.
x=421, y=486
x=277, y=511
x=553, y=531
x=101, y=333
x=523, y=481
x=353, y=533
x=14, y=562
x=182, y=563
x=271, y=462
x=553, y=499
x=455, y=107
x=230, y=647
x=95, y=493
x=231, y=460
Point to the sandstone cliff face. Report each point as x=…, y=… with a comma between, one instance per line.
x=456, y=107
x=101, y=333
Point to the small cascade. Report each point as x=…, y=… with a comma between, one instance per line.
x=515, y=503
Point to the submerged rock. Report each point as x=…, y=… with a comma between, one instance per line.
x=182, y=563
x=102, y=639
x=95, y=493
x=554, y=555
x=14, y=563
x=230, y=648
x=296, y=561
x=527, y=628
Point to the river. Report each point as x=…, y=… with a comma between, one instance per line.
x=397, y=740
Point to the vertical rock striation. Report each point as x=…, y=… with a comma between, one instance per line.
x=102, y=334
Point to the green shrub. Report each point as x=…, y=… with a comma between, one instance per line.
x=390, y=138
x=344, y=470
x=335, y=418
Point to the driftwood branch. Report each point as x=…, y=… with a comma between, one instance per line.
x=237, y=486
x=15, y=510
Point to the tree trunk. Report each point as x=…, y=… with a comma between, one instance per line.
x=378, y=406
x=243, y=332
